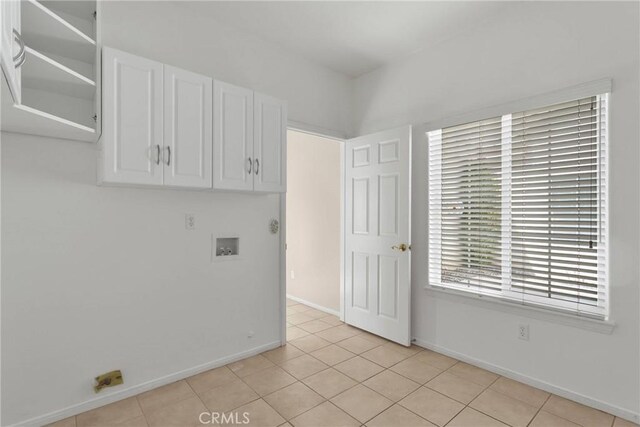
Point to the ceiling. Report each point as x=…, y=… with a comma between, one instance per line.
x=352, y=38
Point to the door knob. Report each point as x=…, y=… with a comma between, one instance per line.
x=401, y=247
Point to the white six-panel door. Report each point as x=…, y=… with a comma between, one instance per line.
x=188, y=132
x=233, y=137
x=132, y=126
x=377, y=224
x=269, y=148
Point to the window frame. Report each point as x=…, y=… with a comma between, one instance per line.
x=537, y=303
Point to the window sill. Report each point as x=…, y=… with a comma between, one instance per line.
x=549, y=315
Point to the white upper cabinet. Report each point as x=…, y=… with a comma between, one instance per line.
x=132, y=135
x=164, y=126
x=249, y=144
x=157, y=127
x=13, y=52
x=187, y=153
x=233, y=137
x=269, y=147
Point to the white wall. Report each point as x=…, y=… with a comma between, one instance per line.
x=98, y=278
x=532, y=49
x=313, y=219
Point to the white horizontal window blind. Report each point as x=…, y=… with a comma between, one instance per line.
x=517, y=206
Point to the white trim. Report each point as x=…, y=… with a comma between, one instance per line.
x=527, y=310
x=568, y=394
x=604, y=192
x=315, y=130
x=554, y=97
x=343, y=148
x=283, y=268
x=314, y=305
x=140, y=388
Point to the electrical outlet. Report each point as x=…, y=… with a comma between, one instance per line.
x=293, y=274
x=523, y=332
x=250, y=334
x=190, y=221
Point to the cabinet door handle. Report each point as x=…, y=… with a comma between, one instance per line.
x=22, y=59
x=157, y=154
x=257, y=166
x=168, y=155
x=21, y=56
x=250, y=166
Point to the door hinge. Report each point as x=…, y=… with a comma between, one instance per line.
x=95, y=14
x=95, y=118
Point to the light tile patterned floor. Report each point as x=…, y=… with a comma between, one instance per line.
x=332, y=375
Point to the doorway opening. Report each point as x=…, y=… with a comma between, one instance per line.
x=347, y=232
x=313, y=227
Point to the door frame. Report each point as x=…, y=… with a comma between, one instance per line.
x=335, y=136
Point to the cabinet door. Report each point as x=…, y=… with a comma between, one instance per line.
x=11, y=46
x=187, y=128
x=270, y=144
x=233, y=137
x=132, y=119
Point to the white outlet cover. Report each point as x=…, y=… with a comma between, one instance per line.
x=523, y=332
x=189, y=221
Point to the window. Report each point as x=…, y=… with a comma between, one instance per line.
x=517, y=207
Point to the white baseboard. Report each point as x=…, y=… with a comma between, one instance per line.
x=140, y=388
x=314, y=305
x=568, y=394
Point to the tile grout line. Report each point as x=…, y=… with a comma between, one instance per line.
x=304, y=412
x=540, y=409
x=144, y=415
x=238, y=378
x=450, y=397
x=255, y=391
x=480, y=411
x=197, y=395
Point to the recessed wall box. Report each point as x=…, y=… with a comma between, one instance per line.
x=225, y=248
